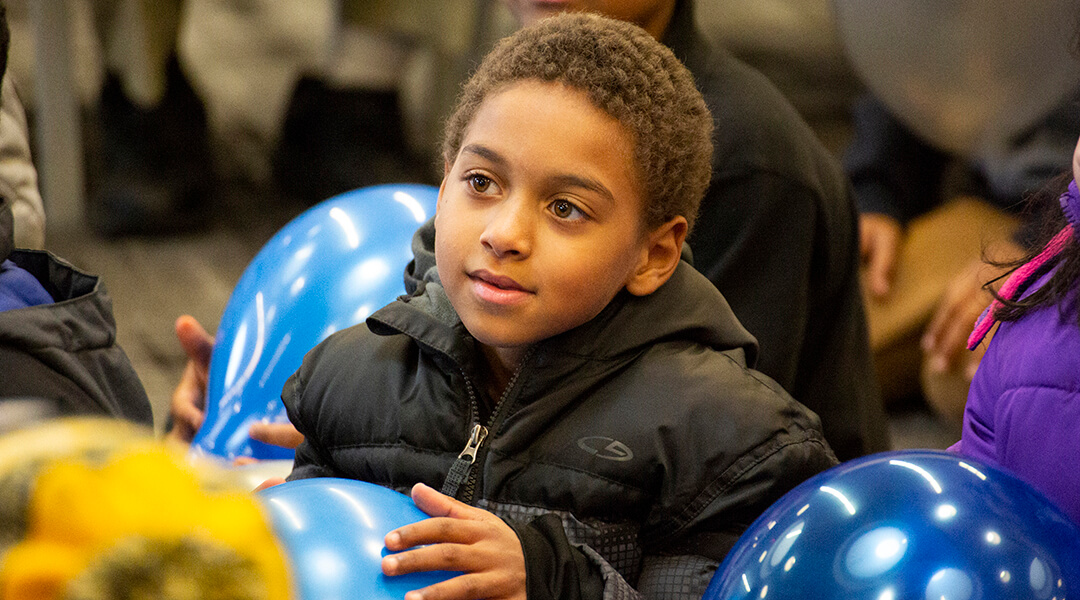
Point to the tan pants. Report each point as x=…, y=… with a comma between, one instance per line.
x=937, y=248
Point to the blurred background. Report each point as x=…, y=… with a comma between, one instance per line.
x=265, y=71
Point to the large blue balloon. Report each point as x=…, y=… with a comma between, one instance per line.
x=333, y=532
x=326, y=270
x=920, y=525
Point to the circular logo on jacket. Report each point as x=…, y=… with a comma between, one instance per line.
x=606, y=448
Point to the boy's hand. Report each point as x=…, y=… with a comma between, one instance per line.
x=283, y=435
x=188, y=406
x=463, y=538
x=189, y=397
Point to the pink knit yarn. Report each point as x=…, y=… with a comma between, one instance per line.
x=1019, y=277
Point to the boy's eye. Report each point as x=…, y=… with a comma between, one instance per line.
x=479, y=183
x=565, y=209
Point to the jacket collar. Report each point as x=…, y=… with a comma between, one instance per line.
x=687, y=307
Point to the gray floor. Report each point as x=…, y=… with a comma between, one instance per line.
x=154, y=280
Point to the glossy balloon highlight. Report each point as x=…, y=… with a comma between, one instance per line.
x=965, y=75
x=333, y=531
x=907, y=524
x=326, y=270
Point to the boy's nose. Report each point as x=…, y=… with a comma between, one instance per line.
x=507, y=233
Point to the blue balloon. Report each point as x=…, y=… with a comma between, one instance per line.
x=920, y=525
x=326, y=270
x=333, y=531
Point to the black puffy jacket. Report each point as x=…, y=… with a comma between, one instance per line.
x=629, y=453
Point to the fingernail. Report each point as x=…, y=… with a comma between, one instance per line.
x=390, y=564
x=393, y=538
x=414, y=595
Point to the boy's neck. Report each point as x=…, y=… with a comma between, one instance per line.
x=501, y=364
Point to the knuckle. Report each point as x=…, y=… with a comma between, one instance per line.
x=471, y=589
x=449, y=554
x=444, y=527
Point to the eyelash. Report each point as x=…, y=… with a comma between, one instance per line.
x=573, y=207
x=471, y=179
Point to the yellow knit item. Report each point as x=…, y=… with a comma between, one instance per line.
x=79, y=513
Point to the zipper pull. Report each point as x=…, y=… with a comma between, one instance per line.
x=479, y=433
x=459, y=472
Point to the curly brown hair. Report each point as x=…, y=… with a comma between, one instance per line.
x=627, y=74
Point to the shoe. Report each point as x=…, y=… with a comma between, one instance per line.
x=154, y=170
x=336, y=140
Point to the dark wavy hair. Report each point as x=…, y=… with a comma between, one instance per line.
x=1067, y=263
x=627, y=74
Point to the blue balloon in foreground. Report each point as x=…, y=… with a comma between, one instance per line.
x=333, y=531
x=326, y=270
x=919, y=525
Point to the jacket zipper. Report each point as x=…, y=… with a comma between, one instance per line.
x=459, y=471
x=462, y=470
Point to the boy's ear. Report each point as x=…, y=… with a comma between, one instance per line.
x=659, y=257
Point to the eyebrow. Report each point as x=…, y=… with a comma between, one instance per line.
x=564, y=179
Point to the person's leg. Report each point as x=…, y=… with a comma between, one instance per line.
x=151, y=171
x=345, y=127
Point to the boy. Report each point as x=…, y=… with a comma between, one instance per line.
x=777, y=221
x=568, y=377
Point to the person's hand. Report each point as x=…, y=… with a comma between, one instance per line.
x=879, y=244
x=189, y=398
x=945, y=339
x=188, y=406
x=276, y=434
x=462, y=538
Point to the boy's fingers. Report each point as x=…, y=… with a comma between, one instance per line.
x=436, y=530
x=283, y=435
x=463, y=587
x=436, y=504
x=196, y=342
x=186, y=405
x=269, y=483
x=437, y=557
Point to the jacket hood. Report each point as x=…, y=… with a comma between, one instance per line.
x=686, y=308
x=80, y=319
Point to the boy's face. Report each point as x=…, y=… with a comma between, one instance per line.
x=539, y=219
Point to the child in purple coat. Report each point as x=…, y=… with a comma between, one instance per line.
x=1023, y=410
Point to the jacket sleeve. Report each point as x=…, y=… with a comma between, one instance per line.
x=310, y=460
x=681, y=564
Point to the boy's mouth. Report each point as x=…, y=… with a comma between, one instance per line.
x=496, y=289
x=496, y=281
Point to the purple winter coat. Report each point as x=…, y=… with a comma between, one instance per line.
x=1023, y=410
